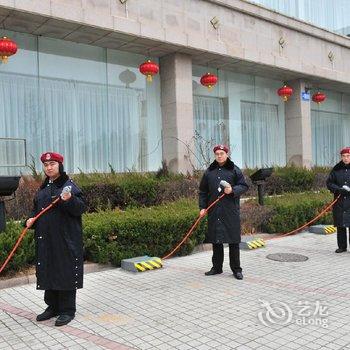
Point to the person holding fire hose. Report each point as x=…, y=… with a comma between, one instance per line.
x=58, y=241
x=338, y=182
x=224, y=218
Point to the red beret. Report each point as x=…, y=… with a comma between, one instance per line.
x=345, y=150
x=221, y=147
x=51, y=156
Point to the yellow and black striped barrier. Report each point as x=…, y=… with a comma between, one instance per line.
x=142, y=263
x=252, y=243
x=330, y=229
x=323, y=229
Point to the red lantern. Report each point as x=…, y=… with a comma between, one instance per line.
x=149, y=69
x=285, y=92
x=318, y=97
x=7, y=48
x=209, y=80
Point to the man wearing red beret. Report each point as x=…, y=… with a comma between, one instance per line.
x=338, y=182
x=58, y=240
x=223, y=219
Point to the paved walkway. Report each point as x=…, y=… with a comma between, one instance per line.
x=278, y=305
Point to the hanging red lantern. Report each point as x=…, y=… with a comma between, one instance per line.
x=7, y=48
x=319, y=97
x=149, y=68
x=209, y=80
x=285, y=92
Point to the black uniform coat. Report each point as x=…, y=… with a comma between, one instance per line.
x=339, y=176
x=223, y=219
x=58, y=237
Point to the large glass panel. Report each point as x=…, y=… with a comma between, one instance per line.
x=333, y=15
x=243, y=111
x=88, y=103
x=329, y=134
x=211, y=127
x=330, y=122
x=12, y=156
x=261, y=132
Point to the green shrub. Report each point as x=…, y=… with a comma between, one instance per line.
x=140, y=190
x=103, y=196
x=109, y=191
x=293, y=210
x=295, y=179
x=291, y=179
x=25, y=254
x=115, y=235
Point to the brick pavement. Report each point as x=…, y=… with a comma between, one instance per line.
x=179, y=308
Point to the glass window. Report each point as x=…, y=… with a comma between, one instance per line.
x=243, y=111
x=261, y=133
x=333, y=15
x=330, y=123
x=211, y=127
x=88, y=103
x=330, y=133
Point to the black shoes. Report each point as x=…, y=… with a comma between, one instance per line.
x=339, y=250
x=62, y=320
x=46, y=315
x=238, y=275
x=213, y=272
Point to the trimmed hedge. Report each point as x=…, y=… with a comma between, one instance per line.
x=114, y=235
x=291, y=179
x=110, y=236
x=109, y=191
x=293, y=210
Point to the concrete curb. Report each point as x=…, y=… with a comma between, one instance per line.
x=23, y=280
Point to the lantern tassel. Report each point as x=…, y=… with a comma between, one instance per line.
x=4, y=59
x=149, y=78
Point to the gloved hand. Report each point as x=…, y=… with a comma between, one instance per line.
x=66, y=193
x=346, y=188
x=343, y=191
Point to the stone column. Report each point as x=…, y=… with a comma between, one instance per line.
x=177, y=112
x=298, y=127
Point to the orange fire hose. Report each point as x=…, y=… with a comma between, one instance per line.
x=188, y=234
x=20, y=238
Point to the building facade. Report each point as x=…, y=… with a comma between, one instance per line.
x=74, y=85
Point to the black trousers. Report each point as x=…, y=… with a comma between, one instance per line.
x=342, y=237
x=61, y=302
x=218, y=257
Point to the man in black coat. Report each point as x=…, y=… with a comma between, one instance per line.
x=338, y=182
x=58, y=241
x=224, y=218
